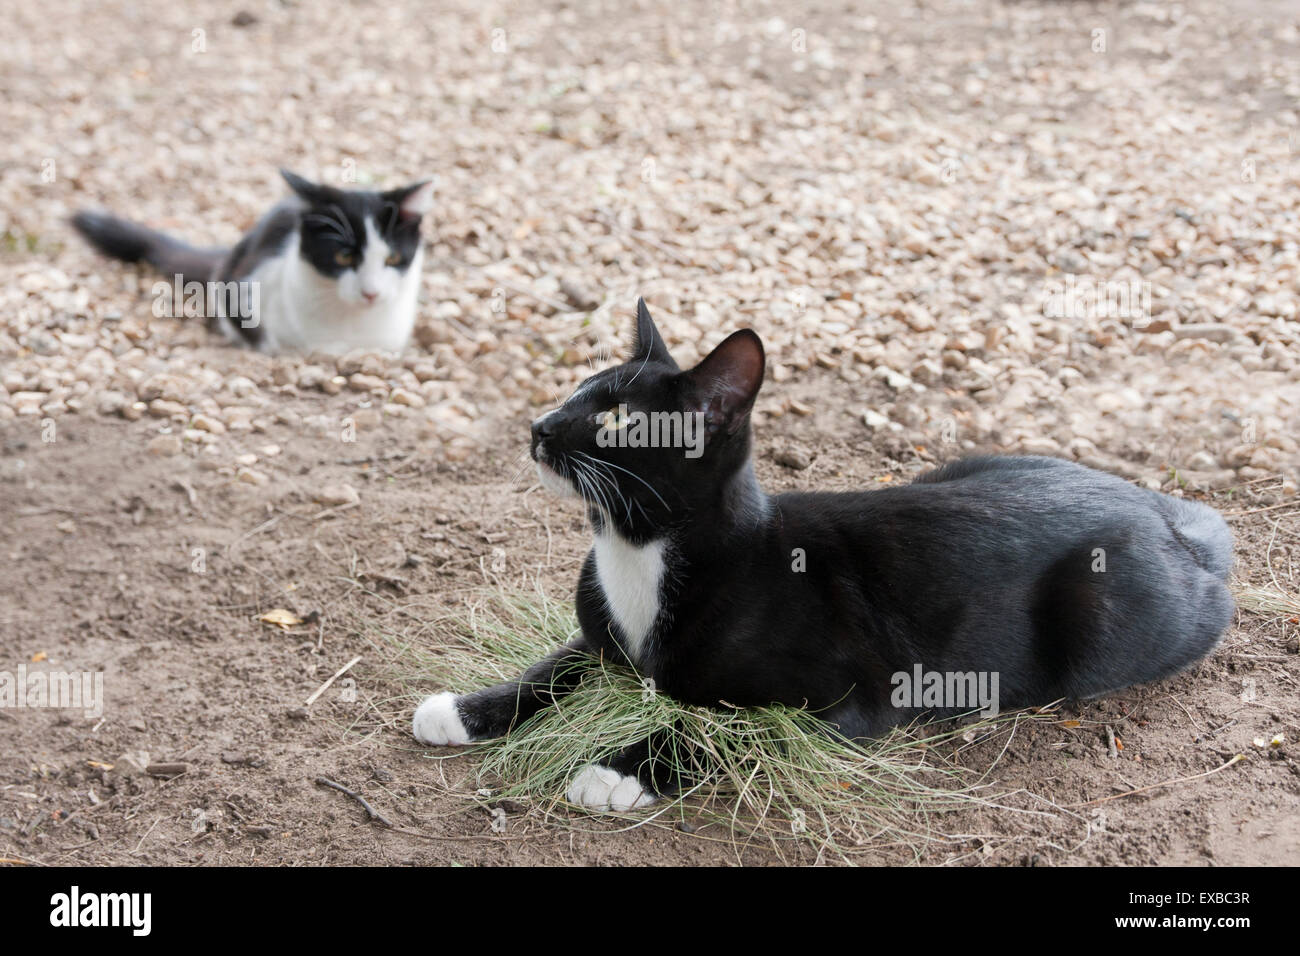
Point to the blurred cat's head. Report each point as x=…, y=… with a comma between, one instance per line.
x=364, y=240
x=647, y=445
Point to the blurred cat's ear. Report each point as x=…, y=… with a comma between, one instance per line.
x=412, y=201
x=726, y=382
x=304, y=188
x=649, y=344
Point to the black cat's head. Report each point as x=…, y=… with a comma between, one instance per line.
x=647, y=445
x=364, y=240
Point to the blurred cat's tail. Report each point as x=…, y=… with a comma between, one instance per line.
x=129, y=242
x=1203, y=531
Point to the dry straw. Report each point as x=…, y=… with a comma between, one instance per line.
x=773, y=774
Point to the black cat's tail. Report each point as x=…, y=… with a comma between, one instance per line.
x=129, y=242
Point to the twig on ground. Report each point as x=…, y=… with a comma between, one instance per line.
x=181, y=484
x=36, y=512
x=325, y=686
x=1155, y=786
x=333, y=511
x=171, y=769
x=365, y=804
x=1255, y=511
x=156, y=821
x=1208, y=734
x=477, y=838
x=373, y=459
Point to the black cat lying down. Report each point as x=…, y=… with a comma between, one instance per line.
x=1054, y=580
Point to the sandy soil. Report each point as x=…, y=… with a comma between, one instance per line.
x=102, y=556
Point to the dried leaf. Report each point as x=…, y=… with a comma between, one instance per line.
x=281, y=618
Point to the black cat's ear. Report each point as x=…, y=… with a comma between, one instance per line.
x=726, y=383
x=412, y=201
x=649, y=345
x=304, y=188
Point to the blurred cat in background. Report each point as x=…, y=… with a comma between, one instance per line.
x=325, y=270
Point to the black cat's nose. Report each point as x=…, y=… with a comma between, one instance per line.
x=543, y=428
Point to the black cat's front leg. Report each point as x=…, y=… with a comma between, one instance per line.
x=448, y=719
x=632, y=778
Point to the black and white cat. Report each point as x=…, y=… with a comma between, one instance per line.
x=327, y=269
x=1062, y=581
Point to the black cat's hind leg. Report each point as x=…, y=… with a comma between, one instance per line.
x=448, y=719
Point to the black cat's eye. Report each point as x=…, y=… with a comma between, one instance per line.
x=394, y=259
x=344, y=257
x=616, y=419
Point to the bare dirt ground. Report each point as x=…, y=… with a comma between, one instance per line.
x=885, y=192
x=102, y=558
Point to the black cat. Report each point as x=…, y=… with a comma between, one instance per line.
x=1034, y=577
x=326, y=269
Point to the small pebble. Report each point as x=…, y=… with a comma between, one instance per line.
x=164, y=446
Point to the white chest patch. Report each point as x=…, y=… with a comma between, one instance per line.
x=630, y=577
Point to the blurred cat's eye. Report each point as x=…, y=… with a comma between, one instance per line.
x=394, y=259
x=614, y=420
x=343, y=257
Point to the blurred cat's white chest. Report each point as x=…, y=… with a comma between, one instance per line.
x=630, y=577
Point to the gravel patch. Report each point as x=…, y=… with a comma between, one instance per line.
x=1057, y=228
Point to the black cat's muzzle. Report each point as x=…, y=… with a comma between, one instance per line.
x=554, y=480
x=550, y=468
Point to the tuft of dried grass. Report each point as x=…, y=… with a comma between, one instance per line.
x=775, y=774
x=1268, y=601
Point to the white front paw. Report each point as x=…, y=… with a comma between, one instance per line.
x=437, y=722
x=603, y=788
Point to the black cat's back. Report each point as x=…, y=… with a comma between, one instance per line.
x=1067, y=581
x=1198, y=527
x=266, y=240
